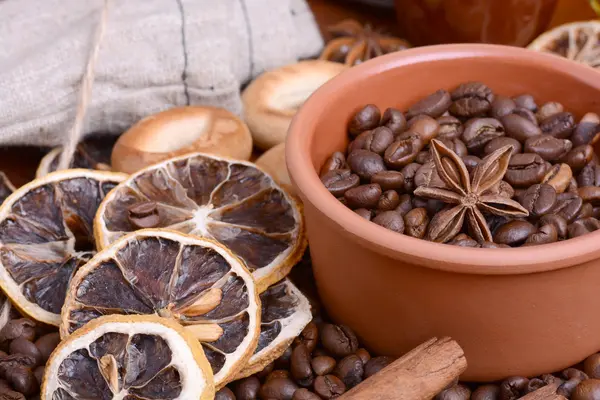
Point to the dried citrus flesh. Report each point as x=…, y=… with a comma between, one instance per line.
x=46, y=233
x=6, y=187
x=133, y=357
x=232, y=202
x=578, y=41
x=285, y=313
x=91, y=153
x=195, y=281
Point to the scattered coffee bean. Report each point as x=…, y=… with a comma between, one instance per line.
x=502, y=106
x=567, y=206
x=46, y=344
x=559, y=125
x=478, y=132
x=559, y=177
x=283, y=362
x=381, y=138
x=574, y=373
x=365, y=213
x=305, y=394
x=339, y=181
x=538, y=199
x=589, y=175
x=329, y=386
x=433, y=105
x=428, y=176
x=456, y=392
x=519, y=128
x=391, y=220
x=486, y=392
x=450, y=127
x=583, y=226
x=247, y=388
x=350, y=370
x=512, y=388
x=426, y=127
x=309, y=336
x=278, y=389
x=364, y=355
x=23, y=346
x=548, y=110
x=365, y=119
x=579, y=157
x=586, y=131
x=405, y=204
x=388, y=201
x=471, y=99
x=17, y=328
x=394, y=120
x=423, y=157
x=471, y=162
x=376, y=364
x=500, y=142
x=403, y=151
x=336, y=161
x=225, y=394
x=514, y=233
x=365, y=163
x=546, y=234
x=279, y=373
x=591, y=366
x=339, y=340
x=527, y=114
x=567, y=387
x=389, y=180
x=534, y=384
x=323, y=365
x=363, y=196
x=457, y=146
x=526, y=101
x=415, y=222
x=588, y=389
x=23, y=380
x=300, y=366
x=548, y=147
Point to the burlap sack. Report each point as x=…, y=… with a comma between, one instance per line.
x=155, y=54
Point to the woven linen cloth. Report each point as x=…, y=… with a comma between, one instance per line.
x=155, y=54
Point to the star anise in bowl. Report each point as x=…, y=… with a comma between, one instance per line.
x=354, y=43
x=468, y=197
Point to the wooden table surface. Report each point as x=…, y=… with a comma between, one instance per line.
x=20, y=163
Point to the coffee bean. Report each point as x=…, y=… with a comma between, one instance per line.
x=283, y=362
x=350, y=370
x=514, y=233
x=573, y=186
x=586, y=211
x=546, y=234
x=363, y=196
x=409, y=175
x=362, y=142
x=578, y=157
x=339, y=181
x=15, y=328
x=305, y=394
x=500, y=142
x=559, y=125
x=519, y=128
x=534, y=384
x=405, y=204
x=433, y=105
x=329, y=386
x=376, y=364
x=478, y=132
x=389, y=180
x=471, y=99
x=586, y=131
x=574, y=373
x=394, y=120
x=391, y=220
x=247, y=388
x=365, y=163
x=278, y=389
x=403, y=151
x=225, y=394
x=46, y=344
x=423, y=157
x=583, y=226
x=471, y=162
x=559, y=177
x=428, y=176
x=590, y=194
x=527, y=114
x=336, y=161
x=143, y=215
x=567, y=206
x=434, y=206
x=339, y=340
x=525, y=169
x=279, y=373
x=415, y=222
x=513, y=388
x=559, y=223
x=550, y=379
x=567, y=387
x=23, y=380
x=266, y=371
x=363, y=212
x=486, y=392
x=503, y=189
x=364, y=355
x=591, y=366
x=309, y=336
x=526, y=101
x=457, y=392
x=548, y=147
x=10, y=394
x=463, y=240
x=588, y=389
x=450, y=127
x=589, y=175
x=548, y=110
x=300, y=366
x=23, y=346
x=365, y=119
x=538, y=199
x=388, y=201
x=457, y=146
x=492, y=245
x=502, y=106
x=323, y=365
x=39, y=373
x=381, y=138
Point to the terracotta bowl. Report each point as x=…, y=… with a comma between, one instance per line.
x=522, y=311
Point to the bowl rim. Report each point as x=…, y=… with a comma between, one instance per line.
x=522, y=260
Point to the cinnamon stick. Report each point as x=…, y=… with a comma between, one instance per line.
x=418, y=375
x=547, y=392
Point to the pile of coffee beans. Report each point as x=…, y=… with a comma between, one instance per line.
x=25, y=347
x=553, y=172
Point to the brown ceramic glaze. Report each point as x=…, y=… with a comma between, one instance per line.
x=522, y=311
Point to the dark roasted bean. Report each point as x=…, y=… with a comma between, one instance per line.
x=365, y=119
x=300, y=366
x=471, y=162
x=548, y=147
x=15, y=328
x=225, y=394
x=586, y=131
x=391, y=220
x=456, y=392
x=363, y=196
x=589, y=175
x=409, y=175
x=525, y=169
x=423, y=157
x=403, y=151
x=586, y=211
x=362, y=142
x=395, y=120
x=365, y=163
x=39, y=373
x=266, y=370
x=339, y=181
x=471, y=99
x=329, y=386
x=514, y=233
x=336, y=161
x=463, y=240
x=305, y=394
x=428, y=176
x=486, y=392
x=247, y=388
x=23, y=380
x=500, y=142
x=574, y=373
x=381, y=138
x=350, y=370
x=457, y=146
x=450, y=127
x=559, y=125
x=534, y=384
x=548, y=109
x=568, y=206
x=427, y=128
x=512, y=388
x=538, y=199
x=364, y=355
x=478, y=132
x=415, y=222
x=388, y=201
x=363, y=212
x=23, y=346
x=502, y=106
x=389, y=180
x=567, y=387
x=559, y=177
x=583, y=226
x=578, y=157
x=557, y=221
x=46, y=344
x=433, y=105
x=323, y=365
x=339, y=340
x=278, y=389
x=283, y=362
x=546, y=234
x=309, y=336
x=588, y=389
x=590, y=194
x=492, y=245
x=591, y=366
x=279, y=373
x=526, y=101
x=405, y=204
x=376, y=364
x=519, y=128
x=527, y=114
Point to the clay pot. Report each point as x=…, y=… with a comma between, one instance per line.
x=522, y=311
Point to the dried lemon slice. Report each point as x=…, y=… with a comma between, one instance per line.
x=46, y=234
x=233, y=202
x=128, y=357
x=578, y=41
x=91, y=153
x=285, y=313
x=195, y=281
x=6, y=187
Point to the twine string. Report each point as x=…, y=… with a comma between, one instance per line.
x=85, y=94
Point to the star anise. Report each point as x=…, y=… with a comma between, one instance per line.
x=470, y=196
x=354, y=43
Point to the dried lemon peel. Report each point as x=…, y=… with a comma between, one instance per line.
x=577, y=41
x=233, y=202
x=229, y=332
x=283, y=295
x=187, y=358
x=47, y=237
